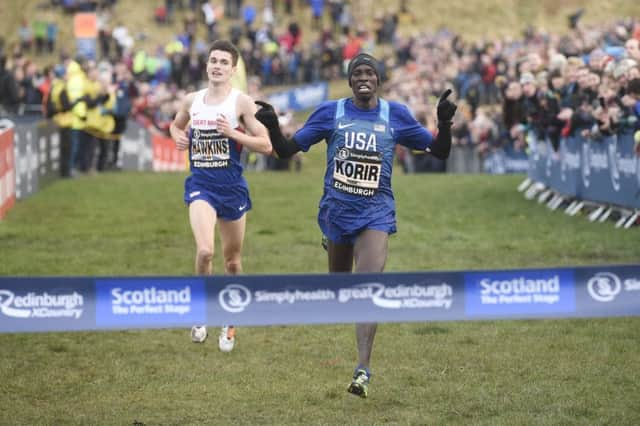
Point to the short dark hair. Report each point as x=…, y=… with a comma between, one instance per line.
x=226, y=46
x=633, y=86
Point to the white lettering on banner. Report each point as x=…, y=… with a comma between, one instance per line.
x=572, y=160
x=520, y=291
x=599, y=161
x=627, y=165
x=294, y=296
x=151, y=301
x=586, y=171
x=400, y=296
x=516, y=165
x=43, y=305
x=614, y=172
x=632, y=284
x=236, y=297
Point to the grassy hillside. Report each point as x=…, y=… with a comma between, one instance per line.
x=473, y=19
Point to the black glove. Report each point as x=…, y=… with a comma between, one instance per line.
x=446, y=108
x=284, y=147
x=267, y=116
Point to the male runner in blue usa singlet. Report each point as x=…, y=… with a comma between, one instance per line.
x=357, y=208
x=221, y=122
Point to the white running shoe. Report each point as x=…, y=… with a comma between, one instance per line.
x=227, y=338
x=199, y=333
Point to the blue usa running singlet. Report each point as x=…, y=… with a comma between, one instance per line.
x=360, y=157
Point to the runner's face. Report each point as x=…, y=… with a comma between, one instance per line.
x=364, y=82
x=220, y=66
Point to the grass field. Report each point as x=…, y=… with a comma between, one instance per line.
x=577, y=372
x=563, y=372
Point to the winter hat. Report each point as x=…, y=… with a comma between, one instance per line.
x=363, y=59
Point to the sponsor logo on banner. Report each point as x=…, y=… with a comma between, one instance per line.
x=519, y=292
x=150, y=301
x=400, y=296
x=236, y=297
x=613, y=157
x=607, y=286
x=586, y=164
x=569, y=161
x=41, y=304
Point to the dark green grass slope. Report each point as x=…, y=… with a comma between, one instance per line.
x=136, y=224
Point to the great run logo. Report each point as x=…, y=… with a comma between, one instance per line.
x=400, y=296
x=41, y=305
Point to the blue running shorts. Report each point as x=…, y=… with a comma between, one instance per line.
x=230, y=201
x=343, y=225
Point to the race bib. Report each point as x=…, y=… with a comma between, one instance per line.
x=357, y=172
x=209, y=149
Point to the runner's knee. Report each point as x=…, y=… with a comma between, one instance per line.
x=233, y=266
x=205, y=254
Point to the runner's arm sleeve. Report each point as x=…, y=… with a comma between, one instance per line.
x=446, y=110
x=441, y=147
x=284, y=147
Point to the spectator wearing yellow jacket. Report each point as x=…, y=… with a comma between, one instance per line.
x=76, y=89
x=58, y=109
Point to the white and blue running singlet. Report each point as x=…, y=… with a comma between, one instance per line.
x=360, y=152
x=213, y=158
x=216, y=171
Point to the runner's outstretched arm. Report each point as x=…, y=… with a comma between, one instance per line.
x=283, y=147
x=446, y=109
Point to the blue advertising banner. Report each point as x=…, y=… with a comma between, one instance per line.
x=595, y=183
x=300, y=98
x=135, y=302
x=603, y=170
x=567, y=181
x=59, y=304
x=538, y=153
x=47, y=304
x=86, y=47
x=506, y=160
x=625, y=177
x=496, y=294
x=336, y=298
x=609, y=289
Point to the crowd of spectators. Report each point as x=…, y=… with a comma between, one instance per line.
x=548, y=85
x=543, y=85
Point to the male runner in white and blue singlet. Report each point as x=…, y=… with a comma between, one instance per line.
x=216, y=191
x=357, y=209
